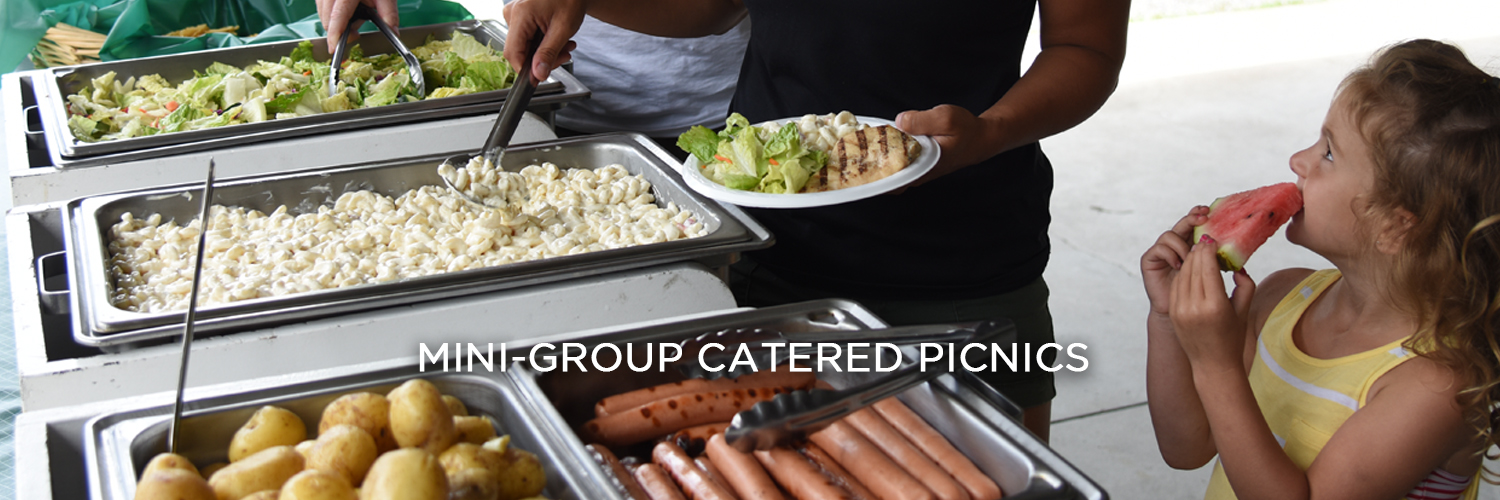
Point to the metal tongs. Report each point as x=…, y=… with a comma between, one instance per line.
x=362, y=11
x=791, y=415
x=192, y=310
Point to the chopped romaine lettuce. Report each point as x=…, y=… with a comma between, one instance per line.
x=701, y=142
x=294, y=85
x=218, y=68
x=442, y=92
x=387, y=90
x=303, y=52
x=286, y=102
x=766, y=158
x=480, y=76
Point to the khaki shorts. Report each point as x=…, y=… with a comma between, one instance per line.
x=755, y=286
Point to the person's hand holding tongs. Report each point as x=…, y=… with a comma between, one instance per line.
x=348, y=25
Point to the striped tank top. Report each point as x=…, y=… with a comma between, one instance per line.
x=1306, y=399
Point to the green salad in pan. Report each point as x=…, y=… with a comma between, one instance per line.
x=296, y=85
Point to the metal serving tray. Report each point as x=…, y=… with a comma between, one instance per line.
x=971, y=414
x=118, y=445
x=61, y=82
x=96, y=322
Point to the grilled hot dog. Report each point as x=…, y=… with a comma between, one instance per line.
x=937, y=448
x=868, y=464
x=764, y=378
x=693, y=439
x=611, y=464
x=742, y=471
x=664, y=416
x=800, y=478
x=656, y=483
x=878, y=431
x=706, y=465
x=831, y=469
x=694, y=482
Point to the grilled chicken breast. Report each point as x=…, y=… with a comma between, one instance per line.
x=864, y=156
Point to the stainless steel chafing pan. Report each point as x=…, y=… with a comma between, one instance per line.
x=973, y=417
x=63, y=81
x=118, y=445
x=96, y=322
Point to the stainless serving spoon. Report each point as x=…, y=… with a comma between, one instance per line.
x=505, y=125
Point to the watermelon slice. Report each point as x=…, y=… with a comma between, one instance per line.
x=1241, y=222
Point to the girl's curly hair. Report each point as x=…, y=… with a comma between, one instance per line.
x=1432, y=120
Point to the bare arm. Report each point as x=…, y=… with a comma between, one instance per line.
x=1181, y=426
x=1083, y=47
x=1382, y=451
x=1183, y=433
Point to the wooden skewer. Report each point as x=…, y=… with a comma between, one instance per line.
x=68, y=27
x=51, y=49
x=75, y=43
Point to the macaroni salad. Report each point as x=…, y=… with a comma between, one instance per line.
x=367, y=237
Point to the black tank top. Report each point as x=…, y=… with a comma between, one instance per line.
x=979, y=231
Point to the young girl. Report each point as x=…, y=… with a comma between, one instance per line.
x=1376, y=379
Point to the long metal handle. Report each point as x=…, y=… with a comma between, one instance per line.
x=514, y=107
x=192, y=311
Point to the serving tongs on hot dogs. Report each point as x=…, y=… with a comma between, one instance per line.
x=792, y=415
x=341, y=52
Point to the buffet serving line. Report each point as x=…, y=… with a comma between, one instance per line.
x=97, y=366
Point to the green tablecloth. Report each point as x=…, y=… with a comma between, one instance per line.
x=133, y=27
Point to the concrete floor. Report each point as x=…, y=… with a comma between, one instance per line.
x=1208, y=105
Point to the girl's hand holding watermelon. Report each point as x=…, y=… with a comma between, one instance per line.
x=1160, y=263
x=1209, y=324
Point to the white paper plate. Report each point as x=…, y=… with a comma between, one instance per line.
x=691, y=172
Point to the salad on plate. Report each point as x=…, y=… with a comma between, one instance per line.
x=766, y=158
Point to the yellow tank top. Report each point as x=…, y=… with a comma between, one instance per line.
x=1306, y=399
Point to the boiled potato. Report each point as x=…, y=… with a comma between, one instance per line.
x=475, y=430
x=405, y=474
x=473, y=472
x=499, y=444
x=305, y=445
x=173, y=484
x=419, y=419
x=210, y=469
x=455, y=406
x=270, y=426
x=364, y=410
x=266, y=470
x=345, y=450
x=318, y=485
x=168, y=461
x=521, y=475
x=265, y=495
